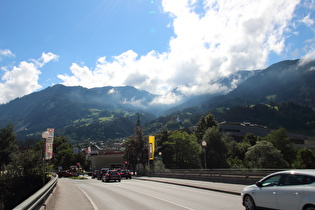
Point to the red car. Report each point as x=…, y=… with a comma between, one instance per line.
x=65, y=174
x=111, y=175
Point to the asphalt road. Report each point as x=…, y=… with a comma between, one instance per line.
x=139, y=194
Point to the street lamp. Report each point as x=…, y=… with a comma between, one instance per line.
x=204, y=145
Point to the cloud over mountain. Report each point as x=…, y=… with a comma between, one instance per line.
x=208, y=39
x=212, y=39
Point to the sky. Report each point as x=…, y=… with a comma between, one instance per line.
x=153, y=45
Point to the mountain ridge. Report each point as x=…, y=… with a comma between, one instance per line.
x=64, y=107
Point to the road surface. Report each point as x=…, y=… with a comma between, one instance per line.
x=138, y=194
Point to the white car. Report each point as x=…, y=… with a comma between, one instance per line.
x=294, y=189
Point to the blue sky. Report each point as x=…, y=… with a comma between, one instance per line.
x=153, y=45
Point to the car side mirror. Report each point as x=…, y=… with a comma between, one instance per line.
x=258, y=184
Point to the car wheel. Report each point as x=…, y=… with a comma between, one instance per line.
x=119, y=180
x=249, y=203
x=310, y=207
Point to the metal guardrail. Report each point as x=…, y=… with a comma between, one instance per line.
x=39, y=196
x=233, y=176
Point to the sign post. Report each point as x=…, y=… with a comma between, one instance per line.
x=48, y=148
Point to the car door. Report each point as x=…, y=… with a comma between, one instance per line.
x=290, y=192
x=266, y=193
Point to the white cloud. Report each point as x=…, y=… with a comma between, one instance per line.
x=308, y=21
x=6, y=53
x=307, y=58
x=22, y=79
x=222, y=37
x=169, y=98
x=45, y=58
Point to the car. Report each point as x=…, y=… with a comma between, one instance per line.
x=111, y=175
x=125, y=174
x=101, y=173
x=291, y=189
x=65, y=174
x=94, y=174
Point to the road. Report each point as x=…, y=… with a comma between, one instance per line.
x=139, y=194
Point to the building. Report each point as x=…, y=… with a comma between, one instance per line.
x=238, y=130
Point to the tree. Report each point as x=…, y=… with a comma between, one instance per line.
x=137, y=147
x=8, y=145
x=28, y=162
x=142, y=147
x=165, y=147
x=131, y=154
x=63, y=153
x=264, y=155
x=305, y=158
x=203, y=124
x=216, y=149
x=251, y=139
x=281, y=142
x=186, y=150
x=236, y=153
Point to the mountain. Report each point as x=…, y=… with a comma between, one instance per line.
x=111, y=112
x=60, y=106
x=282, y=95
x=286, y=81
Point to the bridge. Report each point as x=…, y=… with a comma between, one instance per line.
x=63, y=193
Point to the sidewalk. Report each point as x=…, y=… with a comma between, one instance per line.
x=235, y=189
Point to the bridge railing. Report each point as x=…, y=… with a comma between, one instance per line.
x=39, y=197
x=233, y=176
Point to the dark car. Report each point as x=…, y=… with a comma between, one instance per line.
x=111, y=175
x=64, y=174
x=94, y=174
x=101, y=173
x=125, y=174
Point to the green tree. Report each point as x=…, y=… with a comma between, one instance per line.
x=236, y=153
x=305, y=158
x=28, y=162
x=203, y=124
x=63, y=153
x=131, y=154
x=142, y=146
x=165, y=147
x=251, y=139
x=8, y=145
x=186, y=150
x=281, y=142
x=216, y=149
x=264, y=155
x=137, y=147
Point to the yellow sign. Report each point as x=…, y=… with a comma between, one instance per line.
x=151, y=147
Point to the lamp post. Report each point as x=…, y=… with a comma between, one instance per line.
x=204, y=145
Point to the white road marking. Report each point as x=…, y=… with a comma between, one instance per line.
x=162, y=199
x=89, y=198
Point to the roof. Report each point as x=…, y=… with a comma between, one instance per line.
x=298, y=171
